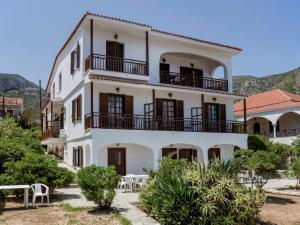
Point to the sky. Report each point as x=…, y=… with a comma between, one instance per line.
x=32, y=31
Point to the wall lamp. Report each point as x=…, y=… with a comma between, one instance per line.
x=170, y=95
x=192, y=64
x=214, y=99
x=164, y=60
x=116, y=36
x=117, y=89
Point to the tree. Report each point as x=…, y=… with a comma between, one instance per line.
x=296, y=147
x=295, y=168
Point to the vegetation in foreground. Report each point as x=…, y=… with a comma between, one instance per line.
x=23, y=161
x=192, y=193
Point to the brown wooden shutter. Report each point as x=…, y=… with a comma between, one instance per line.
x=128, y=122
x=73, y=110
x=179, y=123
x=103, y=107
x=72, y=62
x=78, y=56
x=222, y=117
x=79, y=105
x=159, y=112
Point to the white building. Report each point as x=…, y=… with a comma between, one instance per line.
x=274, y=113
x=126, y=94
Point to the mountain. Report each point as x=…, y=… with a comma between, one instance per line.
x=249, y=85
x=14, y=85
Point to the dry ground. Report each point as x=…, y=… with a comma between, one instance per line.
x=281, y=210
x=15, y=214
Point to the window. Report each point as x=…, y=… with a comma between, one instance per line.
x=75, y=59
x=116, y=110
x=53, y=90
x=59, y=83
x=168, y=113
x=76, y=109
x=78, y=156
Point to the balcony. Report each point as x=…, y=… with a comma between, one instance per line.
x=194, y=81
x=143, y=122
x=52, y=130
x=284, y=133
x=103, y=62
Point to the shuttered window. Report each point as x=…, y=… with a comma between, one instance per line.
x=78, y=156
x=75, y=60
x=76, y=109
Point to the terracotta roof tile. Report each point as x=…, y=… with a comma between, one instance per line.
x=268, y=101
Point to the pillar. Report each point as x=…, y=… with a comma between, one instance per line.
x=274, y=129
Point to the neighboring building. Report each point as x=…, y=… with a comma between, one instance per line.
x=126, y=94
x=275, y=114
x=11, y=106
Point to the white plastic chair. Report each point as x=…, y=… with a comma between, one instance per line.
x=141, y=182
x=37, y=192
x=123, y=184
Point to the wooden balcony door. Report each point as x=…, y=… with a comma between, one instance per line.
x=191, y=77
x=215, y=117
x=117, y=158
x=187, y=153
x=214, y=153
x=114, y=56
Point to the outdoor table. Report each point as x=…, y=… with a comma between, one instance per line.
x=132, y=178
x=12, y=187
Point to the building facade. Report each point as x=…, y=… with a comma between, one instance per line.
x=275, y=114
x=126, y=94
x=11, y=106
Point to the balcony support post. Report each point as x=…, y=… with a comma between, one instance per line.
x=203, y=113
x=245, y=115
x=274, y=130
x=92, y=104
x=51, y=117
x=91, y=43
x=147, y=54
x=154, y=108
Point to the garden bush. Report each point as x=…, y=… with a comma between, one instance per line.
x=295, y=169
x=199, y=194
x=258, y=142
x=98, y=184
x=36, y=168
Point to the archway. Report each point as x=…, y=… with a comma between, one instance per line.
x=256, y=128
x=180, y=150
x=260, y=125
x=222, y=151
x=288, y=124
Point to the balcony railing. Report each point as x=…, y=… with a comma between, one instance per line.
x=194, y=81
x=142, y=122
x=52, y=130
x=284, y=133
x=103, y=62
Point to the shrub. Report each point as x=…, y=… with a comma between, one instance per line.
x=283, y=151
x=199, y=194
x=258, y=142
x=295, y=169
x=98, y=183
x=36, y=168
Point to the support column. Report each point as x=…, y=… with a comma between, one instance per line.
x=92, y=43
x=205, y=156
x=154, y=108
x=92, y=104
x=274, y=129
x=51, y=114
x=245, y=115
x=147, y=53
x=203, y=112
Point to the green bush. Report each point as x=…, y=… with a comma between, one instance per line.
x=295, y=169
x=98, y=183
x=199, y=194
x=258, y=142
x=36, y=168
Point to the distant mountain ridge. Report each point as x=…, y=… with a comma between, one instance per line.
x=249, y=85
x=14, y=85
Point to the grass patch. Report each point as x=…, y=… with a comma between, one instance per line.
x=122, y=219
x=68, y=208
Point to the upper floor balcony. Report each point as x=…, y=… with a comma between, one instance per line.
x=52, y=129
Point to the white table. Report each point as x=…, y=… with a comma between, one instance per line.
x=132, y=178
x=13, y=187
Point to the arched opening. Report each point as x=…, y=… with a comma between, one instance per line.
x=288, y=124
x=256, y=128
x=128, y=158
x=222, y=151
x=182, y=151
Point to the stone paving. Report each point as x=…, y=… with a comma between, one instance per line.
x=123, y=202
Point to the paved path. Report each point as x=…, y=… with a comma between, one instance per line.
x=122, y=202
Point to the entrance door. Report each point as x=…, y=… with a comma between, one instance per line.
x=117, y=158
x=186, y=153
x=114, y=56
x=256, y=128
x=214, y=153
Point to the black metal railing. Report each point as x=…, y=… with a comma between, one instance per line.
x=194, y=81
x=142, y=122
x=284, y=133
x=103, y=62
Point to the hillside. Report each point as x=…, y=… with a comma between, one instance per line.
x=14, y=85
x=249, y=85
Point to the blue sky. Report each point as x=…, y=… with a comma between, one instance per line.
x=268, y=31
